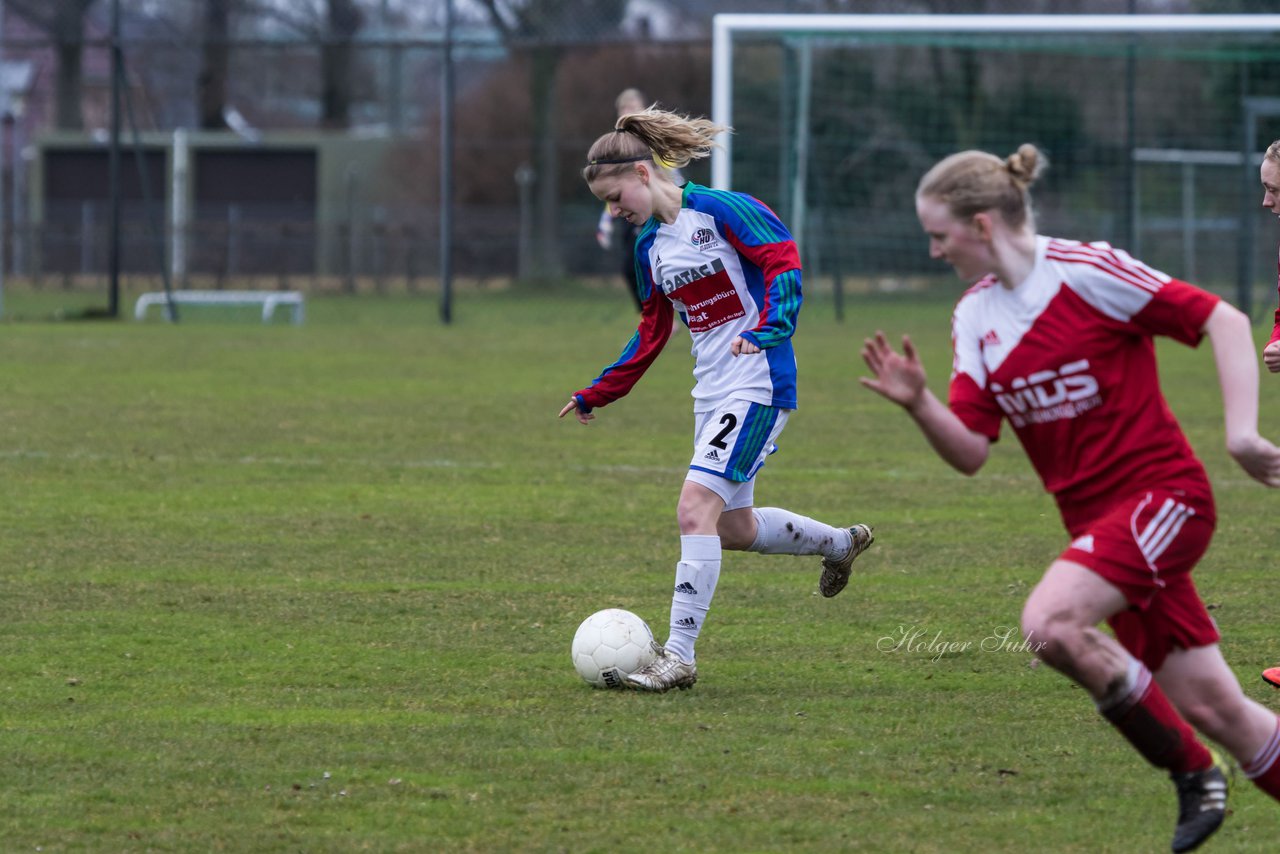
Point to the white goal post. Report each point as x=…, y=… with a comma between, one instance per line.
x=810, y=46
x=725, y=27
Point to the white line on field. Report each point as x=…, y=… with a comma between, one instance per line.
x=854, y=473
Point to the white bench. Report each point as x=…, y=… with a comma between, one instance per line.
x=269, y=300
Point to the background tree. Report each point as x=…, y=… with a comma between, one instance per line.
x=334, y=25
x=215, y=58
x=344, y=20
x=540, y=29
x=63, y=21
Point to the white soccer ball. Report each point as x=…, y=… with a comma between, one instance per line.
x=610, y=645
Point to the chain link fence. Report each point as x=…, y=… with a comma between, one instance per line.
x=359, y=208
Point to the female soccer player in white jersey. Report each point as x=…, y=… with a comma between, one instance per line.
x=728, y=267
x=1055, y=337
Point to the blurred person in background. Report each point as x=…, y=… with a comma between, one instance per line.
x=730, y=269
x=1270, y=175
x=628, y=101
x=1056, y=337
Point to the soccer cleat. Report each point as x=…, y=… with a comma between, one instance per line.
x=665, y=672
x=835, y=573
x=1272, y=675
x=1202, y=804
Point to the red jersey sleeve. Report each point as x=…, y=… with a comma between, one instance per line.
x=656, y=321
x=1127, y=290
x=968, y=396
x=974, y=407
x=1179, y=310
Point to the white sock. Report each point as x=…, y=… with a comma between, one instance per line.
x=1127, y=692
x=781, y=532
x=1267, y=756
x=696, y=577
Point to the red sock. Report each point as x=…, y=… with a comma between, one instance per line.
x=1144, y=716
x=1264, y=769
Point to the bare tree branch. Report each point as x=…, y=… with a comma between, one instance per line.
x=37, y=13
x=309, y=23
x=499, y=22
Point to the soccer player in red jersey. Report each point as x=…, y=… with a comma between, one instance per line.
x=1056, y=337
x=1270, y=176
x=729, y=269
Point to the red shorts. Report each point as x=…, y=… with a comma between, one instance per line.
x=1147, y=546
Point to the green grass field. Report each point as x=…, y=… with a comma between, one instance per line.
x=312, y=589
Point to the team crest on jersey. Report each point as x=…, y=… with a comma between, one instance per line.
x=704, y=239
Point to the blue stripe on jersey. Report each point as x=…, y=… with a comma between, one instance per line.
x=643, y=271
x=782, y=373
x=775, y=341
x=745, y=215
x=752, y=436
x=781, y=311
x=628, y=352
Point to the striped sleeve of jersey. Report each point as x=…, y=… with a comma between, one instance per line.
x=1129, y=291
x=656, y=318
x=756, y=233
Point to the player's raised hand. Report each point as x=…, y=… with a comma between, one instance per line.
x=1258, y=457
x=898, y=376
x=572, y=405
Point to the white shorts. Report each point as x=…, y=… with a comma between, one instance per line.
x=730, y=444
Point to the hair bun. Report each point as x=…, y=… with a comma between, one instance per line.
x=1025, y=164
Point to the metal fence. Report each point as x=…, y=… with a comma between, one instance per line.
x=382, y=251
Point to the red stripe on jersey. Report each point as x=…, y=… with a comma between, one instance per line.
x=1106, y=261
x=1114, y=272
x=1109, y=263
x=619, y=378
x=773, y=259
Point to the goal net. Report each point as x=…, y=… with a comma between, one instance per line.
x=1153, y=126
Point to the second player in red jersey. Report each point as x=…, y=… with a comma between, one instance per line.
x=1055, y=337
x=1269, y=173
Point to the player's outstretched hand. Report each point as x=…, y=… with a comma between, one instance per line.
x=742, y=347
x=1259, y=457
x=572, y=406
x=1271, y=357
x=898, y=376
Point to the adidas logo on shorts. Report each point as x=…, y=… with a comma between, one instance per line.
x=712, y=455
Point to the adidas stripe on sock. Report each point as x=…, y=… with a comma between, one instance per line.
x=696, y=577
